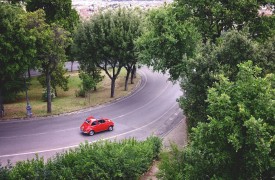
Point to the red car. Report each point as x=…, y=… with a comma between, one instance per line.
x=94, y=125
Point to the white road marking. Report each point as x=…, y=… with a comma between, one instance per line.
x=67, y=147
x=69, y=129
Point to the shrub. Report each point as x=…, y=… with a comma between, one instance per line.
x=238, y=140
x=44, y=94
x=80, y=93
x=5, y=170
x=126, y=159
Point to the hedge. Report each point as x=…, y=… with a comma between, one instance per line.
x=126, y=159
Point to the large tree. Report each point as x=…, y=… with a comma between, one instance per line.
x=59, y=12
x=17, y=45
x=213, y=17
x=238, y=141
x=107, y=41
x=232, y=48
x=82, y=53
x=58, y=79
x=166, y=40
x=132, y=24
x=51, y=43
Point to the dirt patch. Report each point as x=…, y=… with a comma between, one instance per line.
x=151, y=173
x=177, y=136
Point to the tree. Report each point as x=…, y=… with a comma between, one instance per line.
x=106, y=41
x=166, y=40
x=239, y=136
x=57, y=11
x=16, y=47
x=58, y=79
x=195, y=80
x=231, y=49
x=132, y=24
x=262, y=28
x=267, y=55
x=53, y=43
x=88, y=83
x=81, y=52
x=214, y=17
x=238, y=141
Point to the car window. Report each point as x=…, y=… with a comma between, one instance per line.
x=94, y=123
x=101, y=121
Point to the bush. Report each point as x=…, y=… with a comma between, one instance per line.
x=44, y=94
x=80, y=93
x=4, y=171
x=237, y=142
x=126, y=159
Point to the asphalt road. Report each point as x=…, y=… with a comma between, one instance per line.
x=150, y=109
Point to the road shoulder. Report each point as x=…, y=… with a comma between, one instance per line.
x=177, y=136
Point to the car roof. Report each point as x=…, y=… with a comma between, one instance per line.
x=92, y=118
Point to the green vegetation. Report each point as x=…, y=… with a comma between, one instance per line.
x=221, y=52
x=166, y=40
x=34, y=40
x=237, y=142
x=126, y=159
x=214, y=17
x=232, y=131
x=211, y=59
x=16, y=47
x=106, y=42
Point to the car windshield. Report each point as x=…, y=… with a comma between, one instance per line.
x=88, y=121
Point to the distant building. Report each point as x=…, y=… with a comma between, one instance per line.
x=266, y=10
x=86, y=8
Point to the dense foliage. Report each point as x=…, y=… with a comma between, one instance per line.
x=52, y=42
x=166, y=40
x=237, y=142
x=57, y=11
x=225, y=143
x=58, y=79
x=17, y=45
x=231, y=49
x=126, y=159
x=213, y=17
x=28, y=42
x=106, y=41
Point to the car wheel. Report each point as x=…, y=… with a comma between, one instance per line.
x=92, y=133
x=110, y=128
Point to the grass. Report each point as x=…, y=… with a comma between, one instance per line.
x=66, y=101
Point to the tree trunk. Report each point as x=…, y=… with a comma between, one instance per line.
x=113, y=84
x=2, y=112
x=126, y=79
x=133, y=74
x=29, y=72
x=93, y=74
x=49, y=97
x=72, y=63
x=55, y=92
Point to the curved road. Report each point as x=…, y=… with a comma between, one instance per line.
x=150, y=109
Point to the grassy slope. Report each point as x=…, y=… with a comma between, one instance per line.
x=66, y=100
